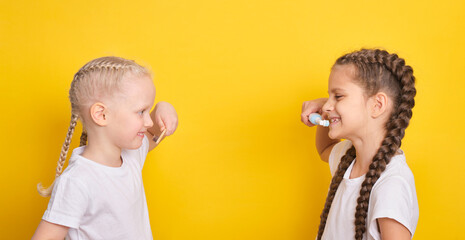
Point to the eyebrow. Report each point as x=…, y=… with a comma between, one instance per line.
x=142, y=107
x=336, y=89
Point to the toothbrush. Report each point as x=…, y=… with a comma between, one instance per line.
x=158, y=139
x=316, y=119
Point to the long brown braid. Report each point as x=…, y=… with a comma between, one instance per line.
x=99, y=77
x=346, y=160
x=376, y=70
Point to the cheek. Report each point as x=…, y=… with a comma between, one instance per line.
x=138, y=121
x=342, y=108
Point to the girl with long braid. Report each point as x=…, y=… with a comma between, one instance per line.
x=372, y=193
x=100, y=195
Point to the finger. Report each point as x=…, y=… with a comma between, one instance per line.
x=303, y=118
x=161, y=124
x=171, y=126
x=167, y=127
x=175, y=126
x=304, y=105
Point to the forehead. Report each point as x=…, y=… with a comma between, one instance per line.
x=137, y=82
x=342, y=77
x=137, y=89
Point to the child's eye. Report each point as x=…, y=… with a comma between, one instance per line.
x=338, y=97
x=141, y=112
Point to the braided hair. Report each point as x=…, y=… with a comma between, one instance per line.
x=376, y=70
x=99, y=77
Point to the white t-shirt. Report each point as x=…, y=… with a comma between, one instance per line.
x=393, y=196
x=100, y=202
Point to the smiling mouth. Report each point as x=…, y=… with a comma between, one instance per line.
x=334, y=120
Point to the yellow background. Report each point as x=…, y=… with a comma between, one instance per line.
x=241, y=165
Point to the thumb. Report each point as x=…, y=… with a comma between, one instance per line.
x=161, y=124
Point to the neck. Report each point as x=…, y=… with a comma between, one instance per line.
x=102, y=152
x=365, y=148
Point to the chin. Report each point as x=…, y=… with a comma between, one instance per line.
x=133, y=146
x=137, y=146
x=332, y=135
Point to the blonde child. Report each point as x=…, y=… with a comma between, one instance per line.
x=372, y=193
x=100, y=195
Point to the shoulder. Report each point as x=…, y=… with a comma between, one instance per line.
x=71, y=187
x=337, y=153
x=68, y=202
x=78, y=169
x=79, y=176
x=73, y=180
x=397, y=172
x=394, y=195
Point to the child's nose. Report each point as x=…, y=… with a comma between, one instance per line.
x=148, y=121
x=328, y=106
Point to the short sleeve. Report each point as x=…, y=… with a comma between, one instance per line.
x=336, y=154
x=393, y=198
x=68, y=203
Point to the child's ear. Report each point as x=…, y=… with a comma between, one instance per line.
x=97, y=113
x=380, y=104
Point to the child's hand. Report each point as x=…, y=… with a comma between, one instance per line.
x=165, y=117
x=309, y=107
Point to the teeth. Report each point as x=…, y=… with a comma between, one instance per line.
x=333, y=120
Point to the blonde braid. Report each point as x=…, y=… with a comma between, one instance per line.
x=45, y=192
x=83, y=138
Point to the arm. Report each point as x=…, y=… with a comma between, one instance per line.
x=50, y=231
x=391, y=229
x=164, y=117
x=323, y=143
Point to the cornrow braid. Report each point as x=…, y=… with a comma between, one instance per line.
x=378, y=70
x=395, y=130
x=99, y=77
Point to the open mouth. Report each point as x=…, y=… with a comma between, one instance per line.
x=334, y=120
